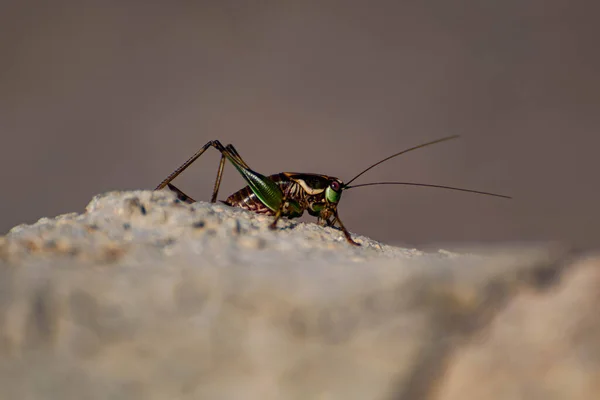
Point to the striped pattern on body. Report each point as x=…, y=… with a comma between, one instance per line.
x=246, y=199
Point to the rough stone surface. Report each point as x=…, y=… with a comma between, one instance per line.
x=144, y=297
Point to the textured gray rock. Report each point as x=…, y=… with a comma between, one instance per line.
x=143, y=297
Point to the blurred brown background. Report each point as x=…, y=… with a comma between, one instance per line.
x=111, y=95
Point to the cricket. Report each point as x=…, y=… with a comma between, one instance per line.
x=289, y=194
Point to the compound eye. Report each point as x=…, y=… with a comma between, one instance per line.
x=335, y=185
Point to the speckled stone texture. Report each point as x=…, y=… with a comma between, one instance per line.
x=144, y=297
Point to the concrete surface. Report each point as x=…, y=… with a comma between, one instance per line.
x=144, y=297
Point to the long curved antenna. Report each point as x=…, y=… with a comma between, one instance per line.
x=427, y=185
x=402, y=152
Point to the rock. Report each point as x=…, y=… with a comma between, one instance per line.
x=144, y=297
x=539, y=346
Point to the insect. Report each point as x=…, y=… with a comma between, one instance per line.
x=289, y=194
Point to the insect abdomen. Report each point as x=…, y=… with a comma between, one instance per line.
x=246, y=199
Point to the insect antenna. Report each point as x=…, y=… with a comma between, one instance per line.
x=427, y=185
x=402, y=152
